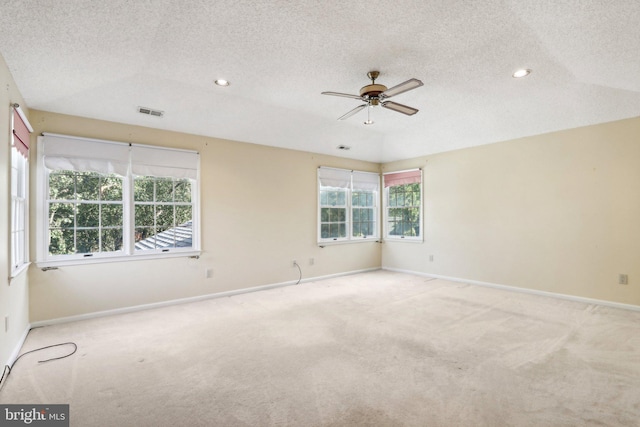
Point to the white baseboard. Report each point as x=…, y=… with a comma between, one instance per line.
x=521, y=290
x=188, y=300
x=18, y=347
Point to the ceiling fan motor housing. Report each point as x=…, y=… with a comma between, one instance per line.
x=372, y=90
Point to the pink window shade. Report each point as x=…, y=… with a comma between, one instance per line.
x=21, y=134
x=402, y=178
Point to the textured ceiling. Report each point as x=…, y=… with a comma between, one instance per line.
x=104, y=59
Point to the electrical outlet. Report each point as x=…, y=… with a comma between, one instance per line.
x=208, y=273
x=430, y=258
x=294, y=263
x=312, y=261
x=6, y=323
x=623, y=279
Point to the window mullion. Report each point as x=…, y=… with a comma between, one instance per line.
x=100, y=180
x=349, y=217
x=128, y=212
x=155, y=207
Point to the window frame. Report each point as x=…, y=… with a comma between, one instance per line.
x=385, y=210
x=376, y=214
x=155, y=203
x=75, y=201
x=128, y=253
x=19, y=163
x=344, y=207
x=349, y=190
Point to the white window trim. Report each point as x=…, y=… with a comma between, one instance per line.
x=44, y=260
x=349, y=222
x=385, y=201
x=16, y=270
x=333, y=240
x=118, y=258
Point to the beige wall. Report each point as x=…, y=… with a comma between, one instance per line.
x=258, y=214
x=558, y=212
x=13, y=294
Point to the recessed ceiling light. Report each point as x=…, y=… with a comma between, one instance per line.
x=523, y=72
x=222, y=82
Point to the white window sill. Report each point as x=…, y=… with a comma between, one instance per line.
x=405, y=240
x=18, y=271
x=110, y=259
x=324, y=243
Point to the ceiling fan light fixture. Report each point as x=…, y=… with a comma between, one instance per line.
x=523, y=72
x=369, y=121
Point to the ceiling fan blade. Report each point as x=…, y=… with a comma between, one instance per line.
x=346, y=95
x=352, y=112
x=409, y=111
x=401, y=88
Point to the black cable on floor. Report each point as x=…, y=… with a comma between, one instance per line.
x=7, y=368
x=300, y=278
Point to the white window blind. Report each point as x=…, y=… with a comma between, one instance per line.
x=366, y=181
x=165, y=163
x=63, y=152
x=337, y=178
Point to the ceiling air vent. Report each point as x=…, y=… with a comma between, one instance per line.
x=150, y=112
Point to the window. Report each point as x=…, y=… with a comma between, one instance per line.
x=163, y=213
x=347, y=205
x=106, y=200
x=403, y=205
x=363, y=213
x=19, y=191
x=85, y=213
x=365, y=194
x=333, y=213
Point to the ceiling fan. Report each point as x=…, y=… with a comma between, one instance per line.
x=376, y=94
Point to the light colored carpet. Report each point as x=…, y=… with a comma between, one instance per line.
x=374, y=349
